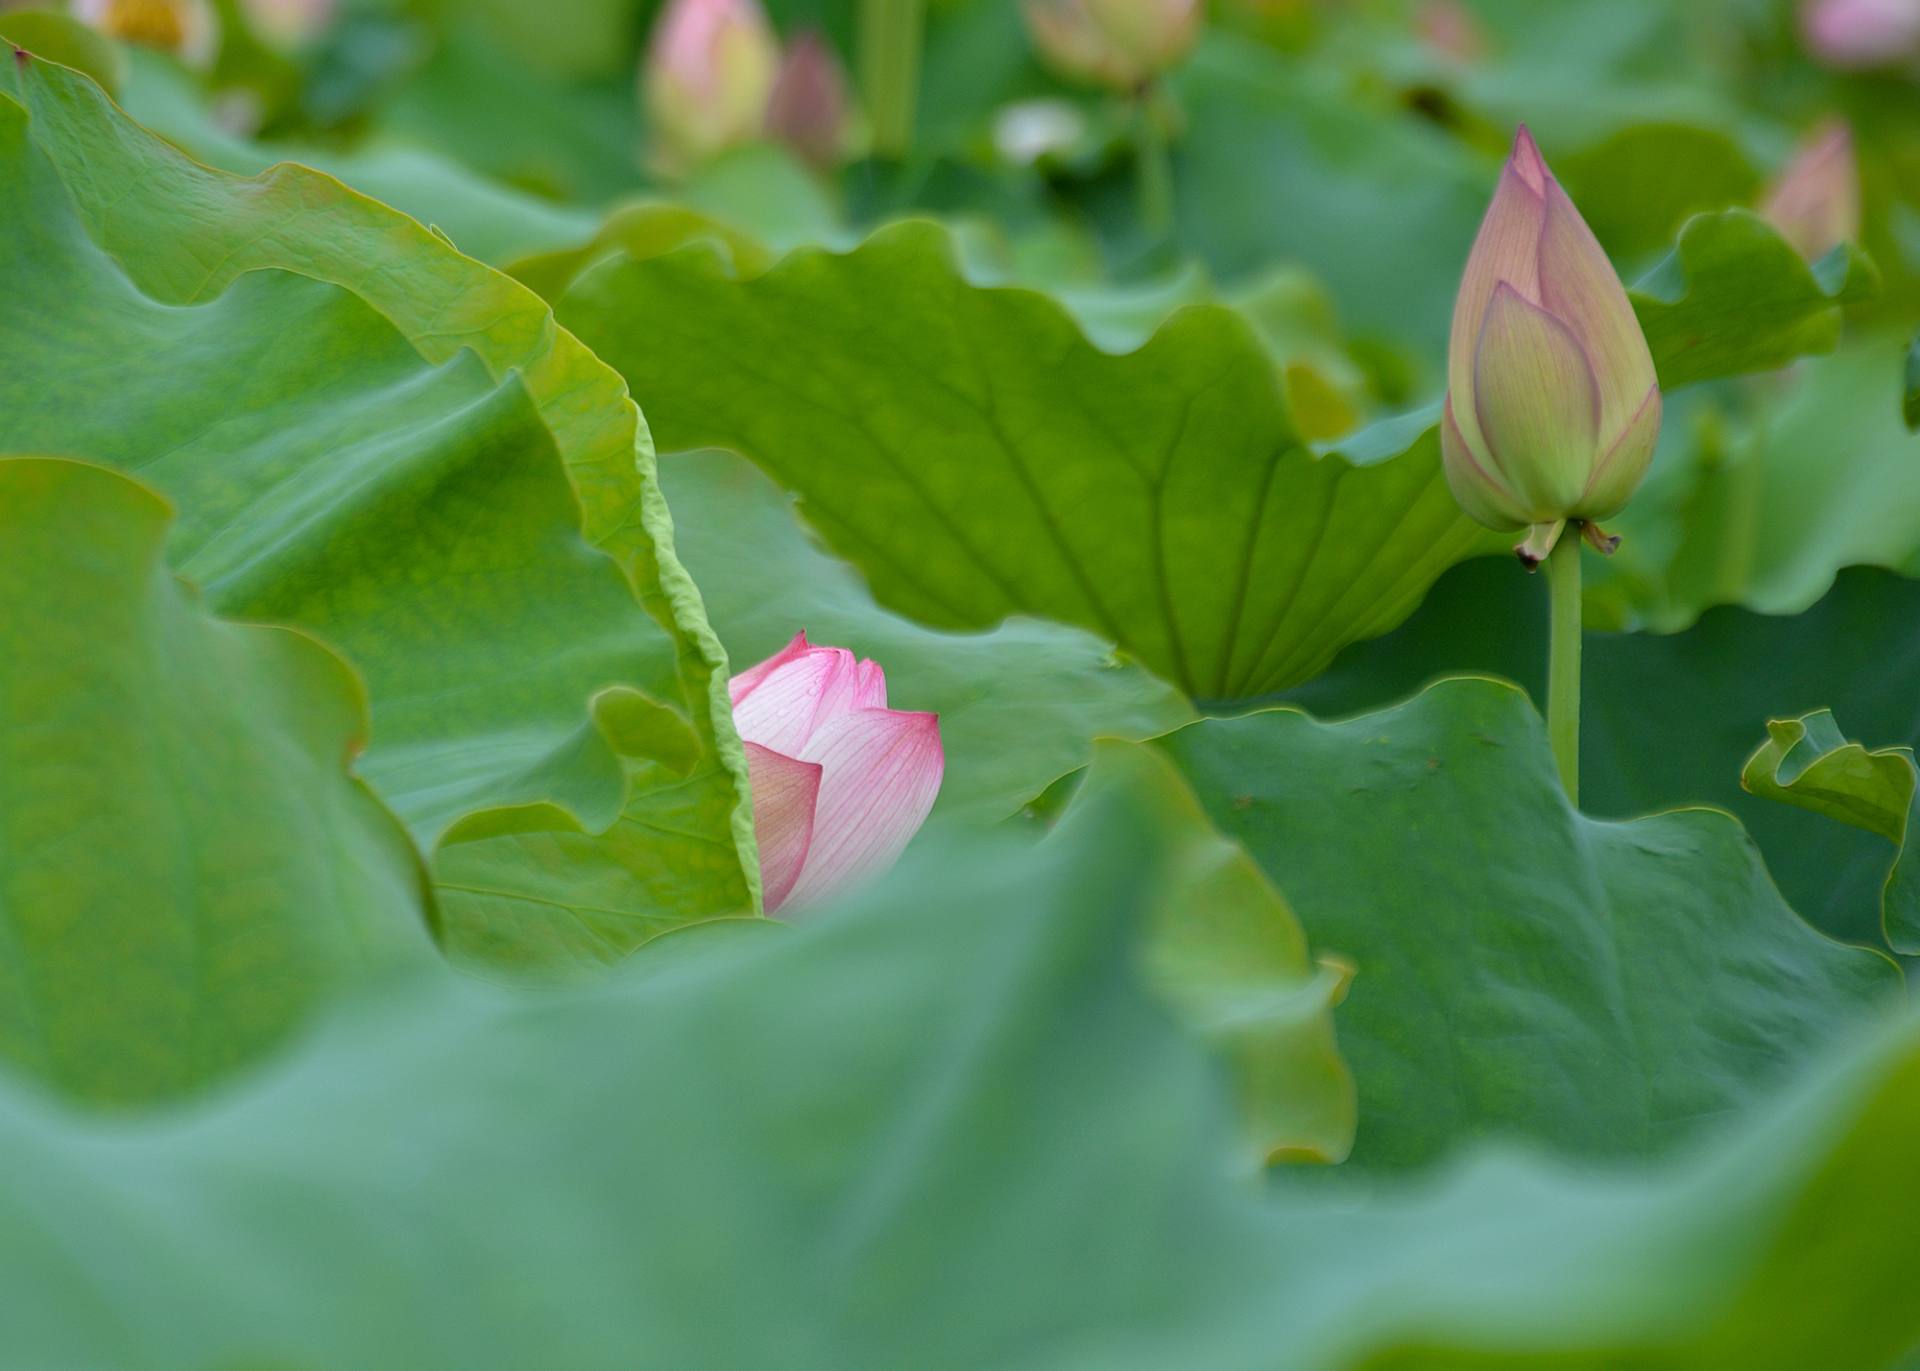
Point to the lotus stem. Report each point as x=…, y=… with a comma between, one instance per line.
x=1563, y=660
x=890, y=35
x=1154, y=168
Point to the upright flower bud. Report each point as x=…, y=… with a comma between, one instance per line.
x=808, y=111
x=1122, y=44
x=1816, y=202
x=1860, y=34
x=708, y=76
x=840, y=782
x=1552, y=404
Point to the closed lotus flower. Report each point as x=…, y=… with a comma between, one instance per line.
x=709, y=74
x=840, y=782
x=1552, y=404
x=1816, y=202
x=1119, y=43
x=1862, y=34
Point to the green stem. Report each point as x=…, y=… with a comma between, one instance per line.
x=1563, y=659
x=890, y=33
x=1154, y=169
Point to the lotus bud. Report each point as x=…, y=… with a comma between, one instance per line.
x=1448, y=29
x=808, y=109
x=840, y=782
x=1816, y=202
x=1122, y=44
x=1552, y=404
x=186, y=28
x=1860, y=34
x=709, y=73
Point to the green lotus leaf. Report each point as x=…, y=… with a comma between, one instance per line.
x=188, y=868
x=1669, y=719
x=1736, y=297
x=376, y=439
x=979, y=458
x=1003, y=1043
x=1808, y=762
x=1522, y=970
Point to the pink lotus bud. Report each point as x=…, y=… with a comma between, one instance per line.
x=1448, y=29
x=1816, y=202
x=708, y=76
x=1552, y=404
x=187, y=28
x=840, y=782
x=1857, y=34
x=1118, y=43
x=808, y=111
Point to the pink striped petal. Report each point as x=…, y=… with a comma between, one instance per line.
x=1507, y=250
x=794, y=699
x=743, y=684
x=881, y=770
x=785, y=795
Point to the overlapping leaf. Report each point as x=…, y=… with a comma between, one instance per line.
x=186, y=867
x=373, y=437
x=998, y=1152
x=1522, y=970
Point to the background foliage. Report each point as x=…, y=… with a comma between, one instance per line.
x=396, y=464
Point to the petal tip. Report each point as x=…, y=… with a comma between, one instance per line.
x=1527, y=162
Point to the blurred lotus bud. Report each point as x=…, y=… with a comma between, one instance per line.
x=1552, y=404
x=186, y=28
x=840, y=782
x=708, y=76
x=809, y=110
x=289, y=25
x=1816, y=202
x=1122, y=44
x=1858, y=34
x=1448, y=29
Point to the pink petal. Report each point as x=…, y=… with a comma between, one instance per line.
x=785, y=793
x=742, y=685
x=797, y=697
x=1506, y=250
x=1537, y=404
x=881, y=772
x=1816, y=204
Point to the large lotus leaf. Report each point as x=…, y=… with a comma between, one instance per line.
x=373, y=437
x=1522, y=970
x=1808, y=762
x=1670, y=719
x=979, y=458
x=1018, y=705
x=481, y=1178
x=187, y=865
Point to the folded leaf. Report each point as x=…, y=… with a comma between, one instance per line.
x=375, y=438
x=1808, y=762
